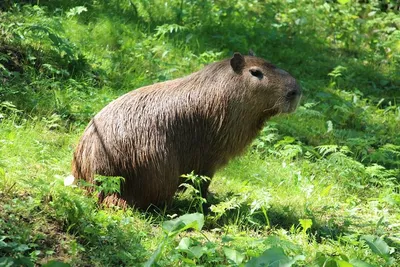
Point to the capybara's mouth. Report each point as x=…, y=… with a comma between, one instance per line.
x=292, y=102
x=292, y=99
x=287, y=104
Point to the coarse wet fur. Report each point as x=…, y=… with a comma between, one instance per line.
x=154, y=134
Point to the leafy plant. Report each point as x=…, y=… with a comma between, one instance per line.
x=172, y=228
x=379, y=247
x=274, y=257
x=108, y=184
x=193, y=186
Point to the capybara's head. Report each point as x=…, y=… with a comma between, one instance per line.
x=269, y=89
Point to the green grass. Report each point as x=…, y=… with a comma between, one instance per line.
x=44, y=220
x=317, y=188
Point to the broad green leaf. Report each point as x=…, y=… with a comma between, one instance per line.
x=184, y=222
x=377, y=245
x=342, y=2
x=274, y=257
x=360, y=263
x=198, y=251
x=184, y=243
x=342, y=263
x=194, y=251
x=22, y=248
x=156, y=255
x=233, y=255
x=343, y=257
x=305, y=224
x=322, y=260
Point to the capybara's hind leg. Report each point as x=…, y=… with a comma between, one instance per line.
x=206, y=183
x=114, y=200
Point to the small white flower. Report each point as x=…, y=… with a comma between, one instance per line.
x=69, y=180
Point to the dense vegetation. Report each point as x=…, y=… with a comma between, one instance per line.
x=317, y=188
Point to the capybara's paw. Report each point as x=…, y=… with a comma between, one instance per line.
x=114, y=200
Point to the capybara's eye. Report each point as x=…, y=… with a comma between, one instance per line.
x=257, y=73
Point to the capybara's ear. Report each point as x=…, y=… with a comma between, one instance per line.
x=251, y=53
x=237, y=62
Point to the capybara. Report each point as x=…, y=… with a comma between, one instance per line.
x=154, y=134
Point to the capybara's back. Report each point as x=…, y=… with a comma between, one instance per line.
x=154, y=134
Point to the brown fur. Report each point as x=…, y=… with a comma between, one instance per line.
x=153, y=135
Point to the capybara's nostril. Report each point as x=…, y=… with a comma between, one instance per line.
x=294, y=89
x=293, y=93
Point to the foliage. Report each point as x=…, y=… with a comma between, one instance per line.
x=317, y=188
x=108, y=185
x=174, y=227
x=274, y=257
x=192, y=184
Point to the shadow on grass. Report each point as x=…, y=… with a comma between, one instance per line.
x=242, y=215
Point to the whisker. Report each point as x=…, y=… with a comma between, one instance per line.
x=280, y=101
